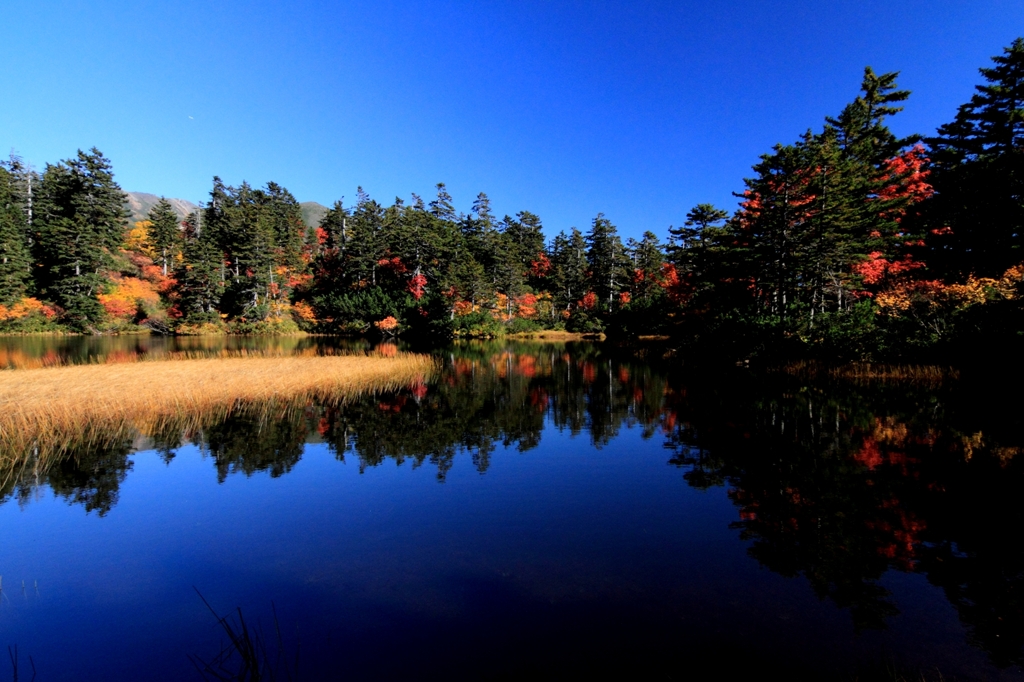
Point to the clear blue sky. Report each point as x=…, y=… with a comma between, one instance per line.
x=636, y=109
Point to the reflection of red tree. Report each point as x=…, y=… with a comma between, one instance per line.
x=463, y=367
x=526, y=365
x=418, y=389
x=395, y=404
x=869, y=454
x=668, y=422
x=589, y=372
x=900, y=534
x=539, y=399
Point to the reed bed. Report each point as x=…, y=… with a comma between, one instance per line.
x=51, y=410
x=874, y=372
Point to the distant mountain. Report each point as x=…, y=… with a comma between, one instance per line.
x=312, y=213
x=139, y=204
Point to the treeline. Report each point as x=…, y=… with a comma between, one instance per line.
x=848, y=242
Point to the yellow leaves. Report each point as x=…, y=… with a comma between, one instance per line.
x=24, y=308
x=893, y=301
x=304, y=312
x=971, y=292
x=971, y=443
x=933, y=295
x=138, y=239
x=128, y=293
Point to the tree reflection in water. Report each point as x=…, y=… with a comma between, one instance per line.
x=836, y=482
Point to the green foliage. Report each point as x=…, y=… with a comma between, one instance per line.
x=82, y=222
x=355, y=311
x=519, y=325
x=15, y=259
x=978, y=172
x=480, y=324
x=165, y=233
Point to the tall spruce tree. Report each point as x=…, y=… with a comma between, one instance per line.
x=978, y=173
x=688, y=245
x=609, y=265
x=165, y=233
x=15, y=258
x=198, y=275
x=81, y=222
x=569, y=269
x=647, y=258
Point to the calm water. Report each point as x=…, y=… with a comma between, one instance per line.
x=538, y=510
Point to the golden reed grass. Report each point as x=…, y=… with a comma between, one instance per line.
x=52, y=410
x=871, y=372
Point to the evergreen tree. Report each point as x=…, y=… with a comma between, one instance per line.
x=441, y=207
x=647, y=258
x=198, y=274
x=569, y=269
x=688, y=245
x=82, y=221
x=978, y=160
x=609, y=266
x=15, y=259
x=165, y=233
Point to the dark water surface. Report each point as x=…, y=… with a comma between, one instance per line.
x=538, y=510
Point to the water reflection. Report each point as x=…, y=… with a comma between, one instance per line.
x=838, y=483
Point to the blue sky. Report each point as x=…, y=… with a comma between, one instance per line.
x=636, y=109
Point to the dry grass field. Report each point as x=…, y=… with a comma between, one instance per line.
x=49, y=410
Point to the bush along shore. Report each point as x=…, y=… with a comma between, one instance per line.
x=847, y=244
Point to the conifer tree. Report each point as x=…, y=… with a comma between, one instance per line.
x=569, y=268
x=165, y=233
x=15, y=259
x=198, y=274
x=978, y=161
x=647, y=258
x=82, y=221
x=606, y=256
x=688, y=245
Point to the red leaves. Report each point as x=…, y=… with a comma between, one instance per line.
x=394, y=264
x=877, y=269
x=906, y=176
x=417, y=285
x=677, y=288
x=541, y=266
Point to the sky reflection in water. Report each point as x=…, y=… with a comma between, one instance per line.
x=539, y=508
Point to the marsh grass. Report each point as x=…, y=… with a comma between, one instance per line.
x=246, y=655
x=47, y=412
x=865, y=372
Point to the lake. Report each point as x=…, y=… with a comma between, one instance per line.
x=535, y=510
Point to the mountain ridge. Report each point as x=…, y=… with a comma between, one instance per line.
x=139, y=205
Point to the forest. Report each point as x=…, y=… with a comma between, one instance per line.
x=848, y=243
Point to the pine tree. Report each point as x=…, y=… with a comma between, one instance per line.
x=647, y=259
x=978, y=161
x=609, y=266
x=15, y=259
x=688, y=245
x=165, y=233
x=569, y=269
x=198, y=274
x=441, y=207
x=82, y=221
